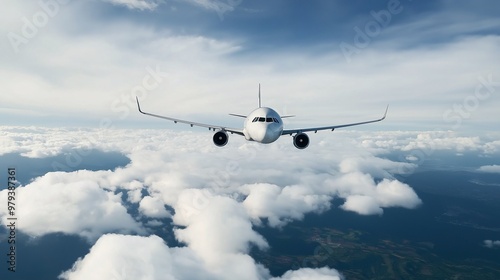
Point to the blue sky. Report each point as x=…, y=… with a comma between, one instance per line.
x=84, y=63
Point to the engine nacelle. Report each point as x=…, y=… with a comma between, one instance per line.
x=220, y=138
x=301, y=141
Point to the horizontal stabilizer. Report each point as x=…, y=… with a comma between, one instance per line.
x=236, y=115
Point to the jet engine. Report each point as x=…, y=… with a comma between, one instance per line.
x=301, y=141
x=220, y=138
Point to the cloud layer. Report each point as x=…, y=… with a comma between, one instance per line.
x=135, y=257
x=211, y=206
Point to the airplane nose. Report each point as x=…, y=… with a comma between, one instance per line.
x=259, y=135
x=265, y=135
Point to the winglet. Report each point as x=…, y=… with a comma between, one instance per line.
x=138, y=105
x=385, y=114
x=259, y=97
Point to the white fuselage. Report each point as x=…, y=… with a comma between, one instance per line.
x=263, y=125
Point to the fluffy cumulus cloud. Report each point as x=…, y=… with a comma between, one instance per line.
x=282, y=204
x=392, y=193
x=222, y=236
x=373, y=197
x=364, y=196
x=220, y=218
x=153, y=207
x=134, y=257
x=116, y=256
x=362, y=204
x=308, y=273
x=209, y=198
x=79, y=207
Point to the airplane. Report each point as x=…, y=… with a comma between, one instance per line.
x=263, y=125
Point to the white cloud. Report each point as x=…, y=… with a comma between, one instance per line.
x=153, y=207
x=489, y=169
x=378, y=167
x=81, y=208
x=323, y=273
x=393, y=193
x=419, y=145
x=443, y=141
x=154, y=223
x=362, y=204
x=412, y=158
x=365, y=197
x=134, y=196
x=492, y=147
x=225, y=226
x=281, y=205
x=491, y=243
x=133, y=257
x=31, y=142
x=217, y=239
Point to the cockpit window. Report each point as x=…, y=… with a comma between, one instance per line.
x=262, y=119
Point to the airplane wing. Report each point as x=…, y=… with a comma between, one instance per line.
x=209, y=126
x=333, y=127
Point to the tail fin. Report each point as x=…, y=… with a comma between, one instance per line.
x=260, y=105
